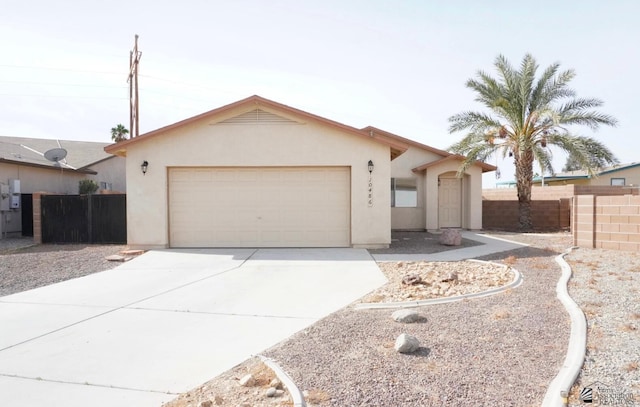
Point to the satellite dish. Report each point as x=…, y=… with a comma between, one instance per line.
x=55, y=154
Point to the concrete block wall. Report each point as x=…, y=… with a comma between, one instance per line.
x=607, y=222
x=547, y=215
x=551, y=205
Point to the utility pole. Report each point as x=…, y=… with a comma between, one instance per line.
x=134, y=117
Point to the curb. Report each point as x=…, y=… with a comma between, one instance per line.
x=558, y=390
x=294, y=391
x=517, y=280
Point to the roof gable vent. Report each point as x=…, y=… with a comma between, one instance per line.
x=257, y=116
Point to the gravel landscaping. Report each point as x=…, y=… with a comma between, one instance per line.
x=501, y=350
x=23, y=268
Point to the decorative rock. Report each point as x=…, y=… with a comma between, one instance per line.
x=207, y=403
x=411, y=279
x=247, y=381
x=218, y=400
x=451, y=237
x=406, y=344
x=405, y=316
x=276, y=383
x=450, y=277
x=271, y=392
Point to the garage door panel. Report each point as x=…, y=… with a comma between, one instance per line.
x=260, y=207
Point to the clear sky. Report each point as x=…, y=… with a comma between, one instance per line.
x=397, y=65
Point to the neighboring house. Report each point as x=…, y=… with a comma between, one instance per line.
x=617, y=175
x=257, y=173
x=23, y=159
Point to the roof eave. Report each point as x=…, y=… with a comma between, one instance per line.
x=48, y=167
x=484, y=166
x=120, y=149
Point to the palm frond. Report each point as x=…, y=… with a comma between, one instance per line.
x=474, y=121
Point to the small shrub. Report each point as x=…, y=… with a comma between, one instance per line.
x=87, y=187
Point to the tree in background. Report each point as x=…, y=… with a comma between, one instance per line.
x=87, y=187
x=573, y=164
x=119, y=133
x=526, y=115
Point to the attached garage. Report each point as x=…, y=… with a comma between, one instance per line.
x=257, y=173
x=260, y=207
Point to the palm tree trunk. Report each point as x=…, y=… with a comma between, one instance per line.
x=524, y=175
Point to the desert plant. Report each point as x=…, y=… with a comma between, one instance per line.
x=527, y=114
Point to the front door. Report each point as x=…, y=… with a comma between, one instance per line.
x=450, y=202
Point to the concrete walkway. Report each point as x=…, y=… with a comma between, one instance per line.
x=166, y=322
x=489, y=245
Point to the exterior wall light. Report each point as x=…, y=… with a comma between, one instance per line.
x=144, y=166
x=370, y=165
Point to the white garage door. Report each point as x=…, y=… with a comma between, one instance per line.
x=259, y=207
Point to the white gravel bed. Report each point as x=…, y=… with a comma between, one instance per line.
x=40, y=265
x=606, y=285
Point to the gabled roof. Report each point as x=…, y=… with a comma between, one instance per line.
x=30, y=152
x=397, y=145
x=381, y=133
x=455, y=157
x=581, y=174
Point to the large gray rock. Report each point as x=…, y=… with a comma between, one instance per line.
x=406, y=316
x=412, y=279
x=406, y=344
x=451, y=237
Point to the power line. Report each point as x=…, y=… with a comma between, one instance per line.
x=45, y=68
x=63, y=84
x=63, y=96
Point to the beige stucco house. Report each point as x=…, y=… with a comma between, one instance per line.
x=257, y=173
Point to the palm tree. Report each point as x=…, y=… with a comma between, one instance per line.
x=119, y=133
x=526, y=115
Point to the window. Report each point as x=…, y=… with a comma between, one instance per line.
x=105, y=185
x=618, y=182
x=404, y=193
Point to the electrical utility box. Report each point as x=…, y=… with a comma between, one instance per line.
x=4, y=197
x=14, y=190
x=14, y=186
x=15, y=202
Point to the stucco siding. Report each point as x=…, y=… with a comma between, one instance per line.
x=206, y=144
x=113, y=171
x=33, y=179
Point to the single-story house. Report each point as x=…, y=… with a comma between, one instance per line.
x=257, y=173
x=27, y=161
x=616, y=175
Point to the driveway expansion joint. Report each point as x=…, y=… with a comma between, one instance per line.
x=40, y=379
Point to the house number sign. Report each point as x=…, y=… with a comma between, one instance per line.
x=370, y=192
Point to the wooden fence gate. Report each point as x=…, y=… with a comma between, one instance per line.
x=98, y=219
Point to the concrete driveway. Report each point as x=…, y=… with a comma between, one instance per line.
x=166, y=322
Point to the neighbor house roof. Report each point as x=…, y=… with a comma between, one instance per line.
x=397, y=146
x=30, y=151
x=581, y=174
